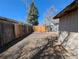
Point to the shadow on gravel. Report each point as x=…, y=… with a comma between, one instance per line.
x=8, y=45
x=46, y=53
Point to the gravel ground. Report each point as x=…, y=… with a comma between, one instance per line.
x=30, y=46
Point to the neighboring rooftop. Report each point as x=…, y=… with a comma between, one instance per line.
x=8, y=19
x=70, y=8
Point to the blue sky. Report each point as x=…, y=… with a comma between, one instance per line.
x=15, y=9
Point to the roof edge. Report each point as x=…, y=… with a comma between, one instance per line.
x=63, y=11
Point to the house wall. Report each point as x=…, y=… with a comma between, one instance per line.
x=68, y=27
x=53, y=25
x=69, y=22
x=70, y=43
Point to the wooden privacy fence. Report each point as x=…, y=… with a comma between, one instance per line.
x=6, y=33
x=10, y=32
x=39, y=28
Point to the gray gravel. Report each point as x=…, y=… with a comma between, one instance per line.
x=28, y=47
